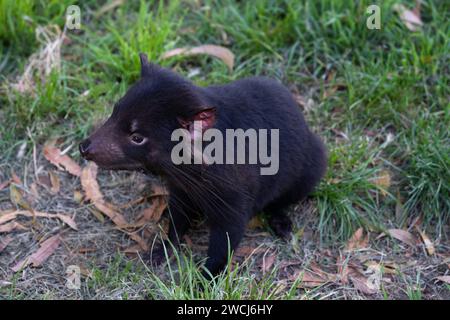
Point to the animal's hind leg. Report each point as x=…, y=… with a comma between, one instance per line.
x=278, y=220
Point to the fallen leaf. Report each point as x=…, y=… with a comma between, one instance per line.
x=93, y=193
x=53, y=154
x=383, y=181
x=445, y=279
x=363, y=284
x=342, y=271
x=429, y=246
x=64, y=218
x=403, y=236
x=11, y=226
x=311, y=279
x=152, y=213
x=247, y=251
x=384, y=267
x=4, y=242
x=222, y=53
x=141, y=242
x=17, y=198
x=100, y=217
x=357, y=241
x=411, y=19
x=15, y=178
x=78, y=196
x=267, y=263
x=45, y=250
x=4, y=184
x=54, y=180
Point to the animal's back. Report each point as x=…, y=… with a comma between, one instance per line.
x=263, y=103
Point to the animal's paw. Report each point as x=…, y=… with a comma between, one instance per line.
x=281, y=225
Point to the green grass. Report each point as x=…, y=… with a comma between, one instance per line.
x=392, y=82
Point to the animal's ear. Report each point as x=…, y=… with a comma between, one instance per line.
x=207, y=117
x=145, y=65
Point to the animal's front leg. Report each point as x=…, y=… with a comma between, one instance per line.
x=222, y=240
x=178, y=225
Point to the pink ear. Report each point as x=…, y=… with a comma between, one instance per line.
x=206, y=116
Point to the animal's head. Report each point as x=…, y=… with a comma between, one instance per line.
x=137, y=135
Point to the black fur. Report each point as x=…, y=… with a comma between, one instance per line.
x=227, y=195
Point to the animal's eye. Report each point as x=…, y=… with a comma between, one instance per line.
x=138, y=139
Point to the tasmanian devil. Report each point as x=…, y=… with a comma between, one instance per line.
x=139, y=136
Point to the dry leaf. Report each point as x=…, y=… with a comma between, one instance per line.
x=410, y=18
x=311, y=279
x=361, y=283
x=357, y=241
x=10, y=226
x=385, y=267
x=267, y=263
x=78, y=196
x=53, y=154
x=45, y=250
x=247, y=251
x=4, y=184
x=429, y=246
x=383, y=181
x=152, y=213
x=222, y=53
x=343, y=270
x=12, y=215
x=445, y=279
x=403, y=236
x=15, y=178
x=54, y=180
x=93, y=193
x=4, y=242
x=17, y=198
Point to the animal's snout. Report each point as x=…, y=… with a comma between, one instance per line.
x=85, y=149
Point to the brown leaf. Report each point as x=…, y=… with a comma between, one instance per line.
x=445, y=279
x=12, y=215
x=429, y=246
x=383, y=181
x=93, y=193
x=54, y=182
x=311, y=279
x=10, y=226
x=357, y=241
x=267, y=263
x=384, y=267
x=411, y=19
x=78, y=196
x=152, y=213
x=4, y=184
x=53, y=154
x=247, y=251
x=45, y=250
x=222, y=53
x=15, y=178
x=17, y=198
x=4, y=242
x=361, y=283
x=343, y=269
x=403, y=236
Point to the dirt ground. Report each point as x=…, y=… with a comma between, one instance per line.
x=409, y=272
